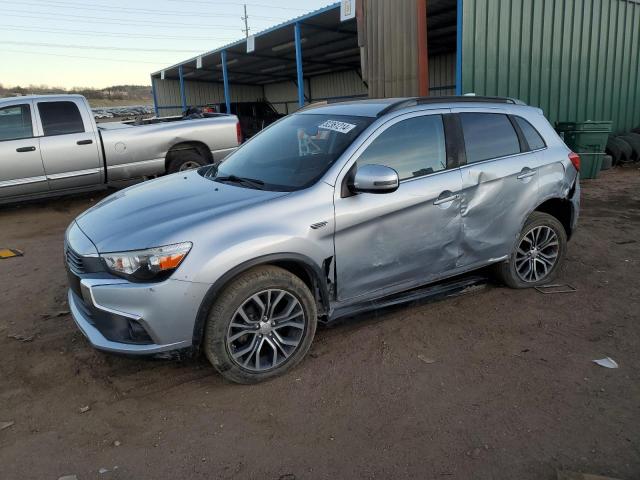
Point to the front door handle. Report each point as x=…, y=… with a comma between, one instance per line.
x=526, y=173
x=26, y=149
x=446, y=197
x=84, y=142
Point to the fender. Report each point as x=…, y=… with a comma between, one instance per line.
x=320, y=289
x=569, y=195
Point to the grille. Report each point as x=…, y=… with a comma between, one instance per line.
x=74, y=261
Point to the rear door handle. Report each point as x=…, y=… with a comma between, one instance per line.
x=526, y=173
x=26, y=149
x=84, y=142
x=446, y=197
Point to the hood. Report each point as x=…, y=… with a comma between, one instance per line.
x=163, y=211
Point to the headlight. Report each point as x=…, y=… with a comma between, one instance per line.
x=152, y=264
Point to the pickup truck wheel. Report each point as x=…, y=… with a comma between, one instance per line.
x=186, y=160
x=262, y=325
x=539, y=252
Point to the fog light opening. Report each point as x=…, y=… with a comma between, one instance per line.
x=137, y=333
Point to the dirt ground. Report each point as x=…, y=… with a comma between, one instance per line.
x=512, y=392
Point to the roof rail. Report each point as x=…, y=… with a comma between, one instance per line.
x=311, y=106
x=410, y=102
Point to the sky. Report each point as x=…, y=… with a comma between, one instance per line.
x=99, y=43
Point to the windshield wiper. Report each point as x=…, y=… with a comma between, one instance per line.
x=211, y=171
x=235, y=179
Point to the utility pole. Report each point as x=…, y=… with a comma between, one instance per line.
x=246, y=22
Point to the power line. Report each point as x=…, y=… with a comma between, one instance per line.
x=93, y=33
x=87, y=47
x=105, y=8
x=58, y=18
x=79, y=56
x=236, y=4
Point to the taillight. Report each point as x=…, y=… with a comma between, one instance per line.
x=575, y=159
x=239, y=134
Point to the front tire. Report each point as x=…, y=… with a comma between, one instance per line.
x=261, y=326
x=184, y=160
x=539, y=252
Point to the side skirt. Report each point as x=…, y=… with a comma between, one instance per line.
x=52, y=194
x=438, y=291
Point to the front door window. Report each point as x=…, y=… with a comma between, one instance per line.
x=412, y=147
x=15, y=122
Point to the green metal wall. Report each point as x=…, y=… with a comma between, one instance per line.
x=576, y=59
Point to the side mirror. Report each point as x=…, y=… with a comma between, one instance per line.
x=375, y=179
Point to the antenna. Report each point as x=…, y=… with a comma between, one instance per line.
x=246, y=22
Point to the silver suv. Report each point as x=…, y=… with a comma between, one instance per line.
x=326, y=212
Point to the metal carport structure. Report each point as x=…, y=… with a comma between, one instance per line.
x=320, y=56
x=576, y=59
x=285, y=59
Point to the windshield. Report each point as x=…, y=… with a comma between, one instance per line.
x=292, y=154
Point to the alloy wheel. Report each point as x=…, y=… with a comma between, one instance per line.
x=188, y=166
x=537, y=254
x=266, y=330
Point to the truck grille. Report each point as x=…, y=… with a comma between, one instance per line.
x=74, y=261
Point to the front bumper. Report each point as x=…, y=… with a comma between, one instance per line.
x=164, y=313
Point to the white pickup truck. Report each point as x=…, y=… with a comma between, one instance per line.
x=51, y=145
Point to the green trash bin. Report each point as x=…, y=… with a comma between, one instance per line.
x=589, y=140
x=590, y=164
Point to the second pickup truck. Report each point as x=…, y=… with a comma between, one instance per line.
x=51, y=145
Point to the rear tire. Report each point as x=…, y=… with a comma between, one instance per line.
x=538, y=254
x=633, y=139
x=619, y=150
x=266, y=312
x=183, y=160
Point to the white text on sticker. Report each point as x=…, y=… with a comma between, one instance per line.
x=337, y=126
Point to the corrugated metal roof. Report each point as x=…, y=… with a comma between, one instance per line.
x=328, y=46
x=243, y=41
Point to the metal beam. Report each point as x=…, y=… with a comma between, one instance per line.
x=293, y=60
x=183, y=94
x=247, y=73
x=440, y=11
x=423, y=54
x=298, y=43
x=155, y=97
x=332, y=30
x=256, y=74
x=459, y=48
x=442, y=33
x=225, y=81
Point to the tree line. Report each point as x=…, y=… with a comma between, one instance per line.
x=115, y=92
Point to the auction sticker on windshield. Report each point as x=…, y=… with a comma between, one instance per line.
x=337, y=126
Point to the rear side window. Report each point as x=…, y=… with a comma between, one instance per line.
x=412, y=147
x=15, y=122
x=60, y=118
x=534, y=139
x=487, y=136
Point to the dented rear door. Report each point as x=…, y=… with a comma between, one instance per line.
x=497, y=192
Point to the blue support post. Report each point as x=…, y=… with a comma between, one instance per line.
x=155, y=97
x=459, y=47
x=183, y=94
x=225, y=79
x=299, y=64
